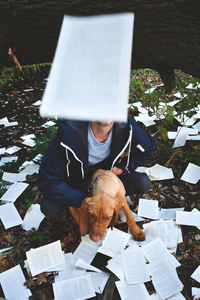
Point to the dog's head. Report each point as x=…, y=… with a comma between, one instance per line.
x=97, y=213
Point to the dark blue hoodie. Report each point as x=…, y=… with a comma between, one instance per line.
x=65, y=163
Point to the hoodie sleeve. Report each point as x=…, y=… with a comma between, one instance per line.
x=52, y=177
x=142, y=147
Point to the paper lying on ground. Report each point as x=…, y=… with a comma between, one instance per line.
x=29, y=142
x=191, y=174
x=196, y=274
x=2, y=151
x=169, y=213
x=12, y=282
x=95, y=52
x=69, y=271
x=145, y=119
x=116, y=267
x=5, y=160
x=193, y=86
x=188, y=218
x=152, y=89
x=5, y=249
x=148, y=208
x=178, y=95
x=79, y=288
x=9, y=215
x=37, y=103
x=86, y=251
x=114, y=242
x=46, y=258
x=14, y=191
x=196, y=292
x=30, y=168
x=166, y=230
x=13, y=177
x=180, y=140
x=99, y=281
x=197, y=126
x=132, y=292
x=83, y=265
x=158, y=172
x=13, y=149
x=6, y=123
x=33, y=217
x=134, y=265
x=164, y=276
x=49, y=123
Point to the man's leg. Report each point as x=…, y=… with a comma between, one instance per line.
x=135, y=183
x=51, y=209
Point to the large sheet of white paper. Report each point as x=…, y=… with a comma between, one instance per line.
x=9, y=215
x=14, y=191
x=148, y=208
x=69, y=271
x=132, y=292
x=45, y=258
x=99, y=281
x=79, y=288
x=188, y=218
x=89, y=78
x=134, y=265
x=33, y=217
x=12, y=282
x=114, y=242
x=191, y=174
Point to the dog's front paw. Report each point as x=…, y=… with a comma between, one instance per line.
x=139, y=236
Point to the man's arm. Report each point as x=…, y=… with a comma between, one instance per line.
x=52, y=177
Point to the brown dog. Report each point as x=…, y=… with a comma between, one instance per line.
x=102, y=208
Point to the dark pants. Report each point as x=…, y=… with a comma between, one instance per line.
x=134, y=183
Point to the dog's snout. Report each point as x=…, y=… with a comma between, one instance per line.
x=95, y=237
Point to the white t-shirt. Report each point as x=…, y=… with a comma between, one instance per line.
x=98, y=151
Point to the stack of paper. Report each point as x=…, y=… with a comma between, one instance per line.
x=47, y=258
x=12, y=282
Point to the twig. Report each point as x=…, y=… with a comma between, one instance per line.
x=172, y=156
x=12, y=54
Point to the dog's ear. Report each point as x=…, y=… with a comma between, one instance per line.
x=118, y=205
x=84, y=217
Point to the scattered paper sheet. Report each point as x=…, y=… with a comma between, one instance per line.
x=196, y=292
x=13, y=149
x=86, y=251
x=116, y=267
x=148, y=208
x=5, y=249
x=188, y=218
x=167, y=230
x=164, y=277
x=172, y=103
x=83, y=265
x=28, y=136
x=133, y=291
x=45, y=258
x=5, y=160
x=37, y=158
x=94, y=51
x=37, y=103
x=180, y=140
x=114, y=242
x=79, y=288
x=169, y=213
x=29, y=142
x=33, y=217
x=30, y=169
x=193, y=86
x=152, y=89
x=134, y=265
x=70, y=271
x=9, y=215
x=191, y=174
x=99, y=281
x=14, y=191
x=178, y=95
x=49, y=123
x=12, y=282
x=146, y=120
x=6, y=123
x=28, y=90
x=197, y=126
x=196, y=274
x=2, y=151
x=13, y=177
x=158, y=172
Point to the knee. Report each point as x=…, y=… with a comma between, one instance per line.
x=144, y=184
x=50, y=209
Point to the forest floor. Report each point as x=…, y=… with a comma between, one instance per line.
x=16, y=105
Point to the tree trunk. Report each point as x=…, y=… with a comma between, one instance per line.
x=166, y=33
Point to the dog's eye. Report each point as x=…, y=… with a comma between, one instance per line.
x=106, y=218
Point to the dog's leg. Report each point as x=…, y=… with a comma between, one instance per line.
x=135, y=229
x=75, y=213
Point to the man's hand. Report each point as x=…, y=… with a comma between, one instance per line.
x=117, y=171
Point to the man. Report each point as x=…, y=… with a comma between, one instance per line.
x=80, y=148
